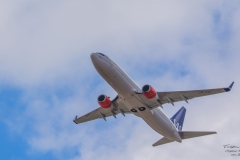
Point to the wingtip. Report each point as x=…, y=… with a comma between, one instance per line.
x=75, y=121
x=230, y=87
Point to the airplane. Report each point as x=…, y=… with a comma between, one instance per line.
x=143, y=103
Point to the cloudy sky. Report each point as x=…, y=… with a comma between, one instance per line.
x=46, y=75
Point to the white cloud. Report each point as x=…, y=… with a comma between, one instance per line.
x=45, y=49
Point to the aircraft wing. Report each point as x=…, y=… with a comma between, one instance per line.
x=176, y=96
x=118, y=107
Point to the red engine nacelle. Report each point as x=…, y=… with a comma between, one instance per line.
x=149, y=92
x=104, y=101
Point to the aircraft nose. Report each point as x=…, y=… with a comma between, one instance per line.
x=94, y=58
x=101, y=62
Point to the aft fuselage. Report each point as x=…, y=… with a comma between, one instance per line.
x=126, y=90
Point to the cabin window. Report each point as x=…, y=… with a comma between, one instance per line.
x=101, y=54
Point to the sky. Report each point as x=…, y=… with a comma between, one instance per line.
x=47, y=77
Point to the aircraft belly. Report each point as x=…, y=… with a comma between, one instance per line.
x=104, y=71
x=160, y=124
x=126, y=90
x=119, y=83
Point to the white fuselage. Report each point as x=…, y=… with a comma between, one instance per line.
x=126, y=90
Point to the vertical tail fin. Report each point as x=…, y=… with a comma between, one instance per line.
x=178, y=118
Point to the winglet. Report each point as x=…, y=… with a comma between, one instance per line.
x=229, y=88
x=75, y=120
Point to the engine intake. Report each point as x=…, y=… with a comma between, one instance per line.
x=149, y=92
x=104, y=101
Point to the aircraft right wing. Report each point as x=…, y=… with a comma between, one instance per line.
x=175, y=96
x=118, y=107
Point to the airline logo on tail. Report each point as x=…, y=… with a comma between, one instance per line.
x=178, y=118
x=176, y=124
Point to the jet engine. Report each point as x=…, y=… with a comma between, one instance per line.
x=149, y=92
x=104, y=101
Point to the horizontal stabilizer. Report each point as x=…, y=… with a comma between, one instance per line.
x=183, y=135
x=192, y=134
x=164, y=140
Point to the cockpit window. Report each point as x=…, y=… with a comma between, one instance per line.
x=101, y=54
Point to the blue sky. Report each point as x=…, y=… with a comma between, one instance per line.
x=46, y=75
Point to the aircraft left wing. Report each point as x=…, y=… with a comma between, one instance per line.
x=118, y=107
